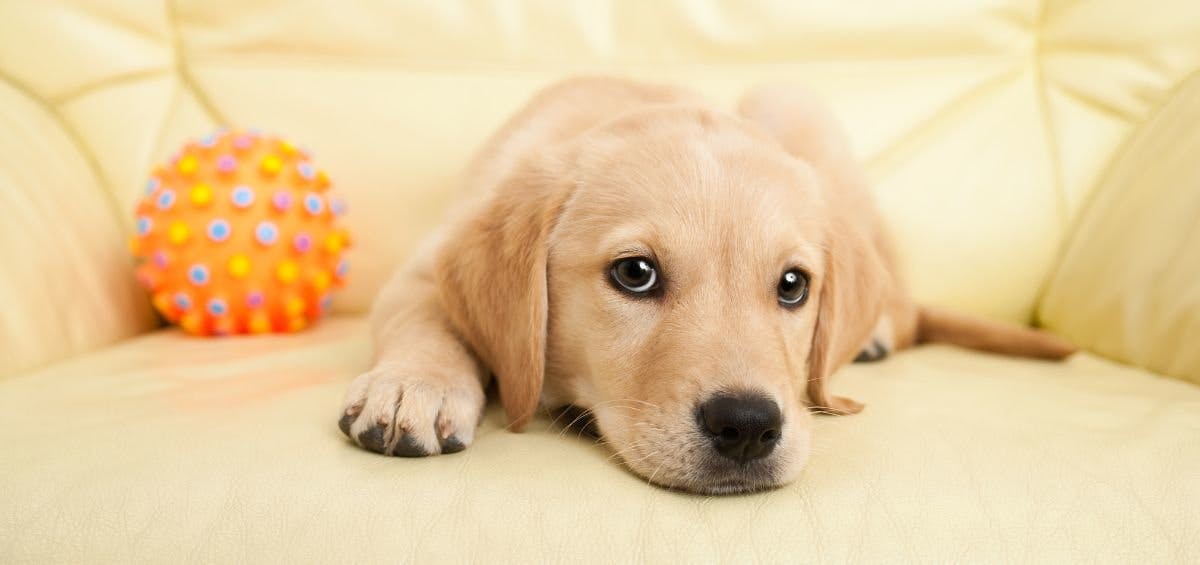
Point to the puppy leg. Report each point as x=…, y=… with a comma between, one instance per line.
x=425, y=394
x=881, y=343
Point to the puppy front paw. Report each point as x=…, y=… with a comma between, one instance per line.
x=872, y=352
x=408, y=414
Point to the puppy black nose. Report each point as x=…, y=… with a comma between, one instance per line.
x=743, y=427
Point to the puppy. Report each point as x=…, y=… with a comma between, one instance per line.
x=689, y=277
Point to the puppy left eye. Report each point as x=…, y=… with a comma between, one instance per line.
x=635, y=275
x=793, y=288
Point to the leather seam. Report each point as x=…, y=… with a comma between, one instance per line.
x=1070, y=233
x=183, y=67
x=77, y=140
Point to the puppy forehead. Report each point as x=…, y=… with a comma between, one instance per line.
x=714, y=189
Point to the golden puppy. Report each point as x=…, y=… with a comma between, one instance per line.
x=689, y=277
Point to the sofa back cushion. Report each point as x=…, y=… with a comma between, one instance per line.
x=983, y=126
x=67, y=282
x=1128, y=286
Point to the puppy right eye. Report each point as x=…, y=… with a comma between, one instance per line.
x=635, y=275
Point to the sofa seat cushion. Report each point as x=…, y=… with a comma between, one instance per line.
x=169, y=448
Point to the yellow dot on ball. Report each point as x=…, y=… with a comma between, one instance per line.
x=287, y=272
x=271, y=164
x=178, y=233
x=296, y=324
x=187, y=165
x=333, y=243
x=287, y=146
x=191, y=322
x=259, y=323
x=224, y=326
x=162, y=303
x=322, y=280
x=201, y=194
x=294, y=306
x=239, y=266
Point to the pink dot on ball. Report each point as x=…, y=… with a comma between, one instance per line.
x=282, y=200
x=302, y=242
x=255, y=299
x=226, y=163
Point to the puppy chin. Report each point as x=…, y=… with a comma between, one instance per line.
x=704, y=482
x=684, y=460
x=710, y=474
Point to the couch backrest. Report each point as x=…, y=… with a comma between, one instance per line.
x=984, y=124
x=1128, y=286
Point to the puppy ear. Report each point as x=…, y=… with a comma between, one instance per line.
x=851, y=301
x=856, y=278
x=492, y=275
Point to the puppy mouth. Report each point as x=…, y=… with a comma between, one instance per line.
x=734, y=486
x=721, y=483
x=727, y=477
x=713, y=475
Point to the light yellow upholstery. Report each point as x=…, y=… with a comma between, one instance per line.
x=1033, y=158
x=171, y=449
x=1129, y=283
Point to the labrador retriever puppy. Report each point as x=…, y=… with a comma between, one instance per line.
x=690, y=278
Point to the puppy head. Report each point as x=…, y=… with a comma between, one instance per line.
x=681, y=277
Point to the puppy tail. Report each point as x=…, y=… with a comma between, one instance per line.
x=939, y=326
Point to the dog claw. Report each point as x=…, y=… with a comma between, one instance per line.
x=408, y=447
x=871, y=353
x=452, y=445
x=372, y=439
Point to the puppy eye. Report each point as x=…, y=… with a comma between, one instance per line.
x=793, y=288
x=634, y=274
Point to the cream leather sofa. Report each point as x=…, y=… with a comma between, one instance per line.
x=1037, y=160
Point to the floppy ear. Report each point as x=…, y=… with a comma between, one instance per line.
x=856, y=277
x=492, y=275
x=851, y=300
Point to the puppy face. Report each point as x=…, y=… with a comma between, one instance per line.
x=684, y=278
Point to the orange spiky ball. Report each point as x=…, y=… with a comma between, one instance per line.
x=238, y=234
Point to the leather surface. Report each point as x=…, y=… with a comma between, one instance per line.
x=65, y=283
x=167, y=448
x=985, y=125
x=1128, y=286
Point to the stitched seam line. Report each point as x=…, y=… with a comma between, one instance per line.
x=1071, y=234
x=1052, y=145
x=77, y=140
x=183, y=70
